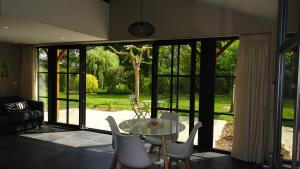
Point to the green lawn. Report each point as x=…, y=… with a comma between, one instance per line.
x=121, y=102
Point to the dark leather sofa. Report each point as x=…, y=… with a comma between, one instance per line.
x=13, y=121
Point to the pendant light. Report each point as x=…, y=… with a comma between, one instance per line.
x=141, y=28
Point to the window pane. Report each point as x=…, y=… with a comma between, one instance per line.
x=43, y=60
x=185, y=60
x=43, y=84
x=226, y=58
x=198, y=55
x=224, y=94
x=289, y=98
x=184, y=93
x=164, y=60
x=62, y=60
x=62, y=85
x=62, y=111
x=74, y=60
x=164, y=90
x=45, y=101
x=74, y=86
x=223, y=132
x=74, y=113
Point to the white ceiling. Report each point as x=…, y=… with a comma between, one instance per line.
x=30, y=32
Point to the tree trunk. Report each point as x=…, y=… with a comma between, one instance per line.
x=137, y=81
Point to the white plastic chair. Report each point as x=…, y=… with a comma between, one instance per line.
x=114, y=130
x=183, y=151
x=131, y=152
x=156, y=141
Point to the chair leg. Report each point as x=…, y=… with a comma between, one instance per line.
x=177, y=164
x=170, y=163
x=190, y=163
x=187, y=163
x=114, y=162
x=158, y=155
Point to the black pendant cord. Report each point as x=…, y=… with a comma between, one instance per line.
x=141, y=10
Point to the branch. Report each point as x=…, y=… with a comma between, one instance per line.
x=118, y=53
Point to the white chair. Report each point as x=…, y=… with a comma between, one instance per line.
x=131, y=152
x=183, y=151
x=114, y=129
x=156, y=141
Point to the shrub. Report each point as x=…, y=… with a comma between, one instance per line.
x=91, y=83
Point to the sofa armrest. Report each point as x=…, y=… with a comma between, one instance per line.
x=35, y=105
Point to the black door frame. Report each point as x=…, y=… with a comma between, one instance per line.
x=52, y=96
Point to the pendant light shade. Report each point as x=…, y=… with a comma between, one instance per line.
x=141, y=28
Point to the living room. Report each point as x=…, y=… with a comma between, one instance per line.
x=44, y=57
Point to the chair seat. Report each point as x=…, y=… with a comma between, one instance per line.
x=177, y=151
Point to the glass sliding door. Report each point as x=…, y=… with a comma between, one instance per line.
x=176, y=64
x=67, y=86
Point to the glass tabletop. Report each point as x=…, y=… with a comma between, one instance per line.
x=151, y=126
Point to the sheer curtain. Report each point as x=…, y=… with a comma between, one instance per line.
x=252, y=120
x=28, y=73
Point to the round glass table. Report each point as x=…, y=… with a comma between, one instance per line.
x=153, y=127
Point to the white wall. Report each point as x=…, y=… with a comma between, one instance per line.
x=84, y=16
x=194, y=18
x=10, y=54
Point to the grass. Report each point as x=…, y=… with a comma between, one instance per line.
x=121, y=102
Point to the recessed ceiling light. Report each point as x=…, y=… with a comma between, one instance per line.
x=16, y=41
x=62, y=38
x=37, y=40
x=5, y=27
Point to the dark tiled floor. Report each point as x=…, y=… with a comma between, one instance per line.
x=64, y=149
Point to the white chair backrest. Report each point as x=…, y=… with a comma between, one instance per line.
x=113, y=125
x=114, y=128
x=131, y=151
x=189, y=143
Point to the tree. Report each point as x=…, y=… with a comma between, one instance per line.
x=99, y=61
x=135, y=55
